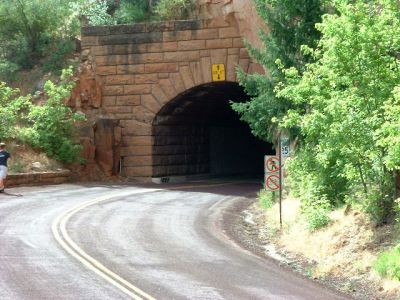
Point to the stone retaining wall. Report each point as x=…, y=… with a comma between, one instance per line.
x=42, y=178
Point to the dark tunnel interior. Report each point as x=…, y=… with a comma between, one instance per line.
x=198, y=133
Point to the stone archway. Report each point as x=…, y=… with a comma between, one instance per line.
x=197, y=133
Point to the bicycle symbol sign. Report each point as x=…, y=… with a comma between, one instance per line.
x=271, y=164
x=271, y=182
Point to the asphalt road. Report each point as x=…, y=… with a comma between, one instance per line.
x=122, y=242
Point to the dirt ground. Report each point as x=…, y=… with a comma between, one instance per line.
x=339, y=256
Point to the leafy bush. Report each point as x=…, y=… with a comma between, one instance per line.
x=49, y=126
x=95, y=11
x=55, y=61
x=132, y=11
x=8, y=70
x=266, y=199
x=173, y=9
x=52, y=124
x=388, y=264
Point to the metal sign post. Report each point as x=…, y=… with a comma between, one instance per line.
x=280, y=181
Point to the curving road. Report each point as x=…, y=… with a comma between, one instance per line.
x=140, y=242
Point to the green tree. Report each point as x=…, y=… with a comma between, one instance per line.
x=25, y=25
x=350, y=124
x=291, y=24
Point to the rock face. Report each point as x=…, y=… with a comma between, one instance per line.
x=239, y=12
x=129, y=73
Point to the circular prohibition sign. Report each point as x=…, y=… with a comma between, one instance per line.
x=272, y=182
x=272, y=164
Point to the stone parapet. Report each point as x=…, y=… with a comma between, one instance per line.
x=40, y=178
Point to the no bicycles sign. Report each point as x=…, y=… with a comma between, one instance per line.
x=272, y=169
x=271, y=182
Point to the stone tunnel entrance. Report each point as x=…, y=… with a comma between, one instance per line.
x=197, y=132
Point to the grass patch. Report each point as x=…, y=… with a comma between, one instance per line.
x=388, y=264
x=267, y=199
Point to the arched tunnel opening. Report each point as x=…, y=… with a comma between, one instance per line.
x=198, y=133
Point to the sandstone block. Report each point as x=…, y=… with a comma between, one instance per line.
x=137, y=140
x=172, y=36
x=187, y=77
x=181, y=56
x=129, y=69
x=188, y=25
x=148, y=58
x=161, y=68
x=146, y=78
x=197, y=73
x=117, y=109
x=229, y=32
x=137, y=89
x=137, y=161
x=218, y=56
x=87, y=31
x=136, y=150
x=149, y=102
x=120, y=79
x=191, y=45
x=128, y=49
x=163, y=75
x=142, y=114
x=168, y=88
x=205, y=53
x=135, y=128
x=206, y=69
x=101, y=50
x=126, y=29
x=177, y=81
x=106, y=70
x=135, y=38
x=159, y=94
x=160, y=26
x=233, y=61
x=162, y=47
x=128, y=100
x=89, y=41
x=205, y=34
x=109, y=100
x=218, y=44
x=145, y=171
x=113, y=90
x=216, y=23
x=233, y=51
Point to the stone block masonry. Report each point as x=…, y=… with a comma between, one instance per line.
x=142, y=67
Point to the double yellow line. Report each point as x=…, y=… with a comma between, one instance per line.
x=59, y=229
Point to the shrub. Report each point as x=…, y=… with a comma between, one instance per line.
x=56, y=58
x=8, y=70
x=52, y=124
x=132, y=11
x=388, y=264
x=173, y=9
x=95, y=11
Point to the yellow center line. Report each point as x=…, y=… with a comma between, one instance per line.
x=60, y=233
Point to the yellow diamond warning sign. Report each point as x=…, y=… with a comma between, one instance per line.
x=218, y=72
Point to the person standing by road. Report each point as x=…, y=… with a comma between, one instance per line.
x=4, y=157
